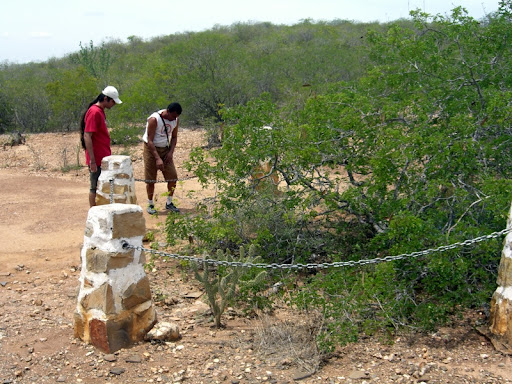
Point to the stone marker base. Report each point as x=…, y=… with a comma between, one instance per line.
x=115, y=332
x=501, y=322
x=501, y=302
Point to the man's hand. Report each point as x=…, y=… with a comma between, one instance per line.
x=159, y=163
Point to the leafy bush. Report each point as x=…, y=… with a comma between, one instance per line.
x=409, y=157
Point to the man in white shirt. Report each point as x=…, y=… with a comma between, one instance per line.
x=160, y=140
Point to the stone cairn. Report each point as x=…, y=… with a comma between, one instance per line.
x=114, y=308
x=501, y=302
x=119, y=168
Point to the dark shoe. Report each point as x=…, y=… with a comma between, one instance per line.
x=171, y=207
x=151, y=209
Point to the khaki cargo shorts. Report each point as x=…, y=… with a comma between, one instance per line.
x=150, y=169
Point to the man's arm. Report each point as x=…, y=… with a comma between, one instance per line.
x=151, y=145
x=172, y=144
x=90, y=150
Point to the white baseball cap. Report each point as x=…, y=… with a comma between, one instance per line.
x=111, y=92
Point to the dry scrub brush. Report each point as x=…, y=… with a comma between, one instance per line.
x=290, y=342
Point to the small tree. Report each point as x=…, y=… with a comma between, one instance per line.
x=69, y=96
x=96, y=60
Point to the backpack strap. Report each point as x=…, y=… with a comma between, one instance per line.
x=165, y=128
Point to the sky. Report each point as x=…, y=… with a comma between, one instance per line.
x=36, y=30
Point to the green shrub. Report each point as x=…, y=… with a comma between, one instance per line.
x=127, y=135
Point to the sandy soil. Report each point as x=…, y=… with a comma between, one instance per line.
x=42, y=218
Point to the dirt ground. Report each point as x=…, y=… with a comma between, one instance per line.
x=43, y=200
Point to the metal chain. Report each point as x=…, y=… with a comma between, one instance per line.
x=111, y=181
x=351, y=263
x=165, y=181
x=300, y=266
x=158, y=181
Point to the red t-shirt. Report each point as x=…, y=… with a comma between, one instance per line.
x=96, y=123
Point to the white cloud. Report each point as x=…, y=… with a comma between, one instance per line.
x=93, y=14
x=41, y=35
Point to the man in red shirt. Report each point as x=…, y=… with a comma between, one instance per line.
x=95, y=135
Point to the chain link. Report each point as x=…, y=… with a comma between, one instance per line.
x=338, y=264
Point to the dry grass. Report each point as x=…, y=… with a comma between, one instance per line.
x=290, y=342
